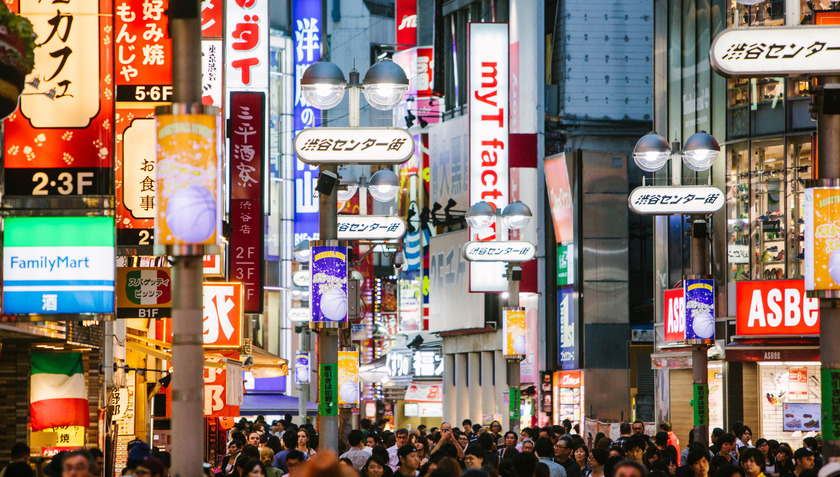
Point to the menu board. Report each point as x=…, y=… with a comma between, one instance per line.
x=801, y=417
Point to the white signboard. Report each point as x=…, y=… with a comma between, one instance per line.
x=669, y=200
x=301, y=278
x=246, y=45
x=512, y=251
x=299, y=315
x=448, y=280
x=449, y=162
x=489, y=139
x=370, y=227
x=738, y=253
x=777, y=51
x=139, y=147
x=354, y=146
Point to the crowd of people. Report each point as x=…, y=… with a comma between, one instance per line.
x=257, y=449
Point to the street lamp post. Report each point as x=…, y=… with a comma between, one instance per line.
x=323, y=85
x=515, y=216
x=700, y=151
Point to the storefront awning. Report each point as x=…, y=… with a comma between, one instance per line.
x=255, y=403
x=779, y=349
x=266, y=365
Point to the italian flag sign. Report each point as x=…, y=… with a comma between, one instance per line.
x=57, y=395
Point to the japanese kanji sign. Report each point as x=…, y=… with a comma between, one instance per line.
x=246, y=251
x=370, y=227
x=143, y=51
x=222, y=315
x=136, y=178
x=511, y=251
x=144, y=293
x=668, y=200
x=777, y=51
x=354, y=146
x=246, y=145
x=246, y=51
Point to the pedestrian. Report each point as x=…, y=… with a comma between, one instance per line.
x=255, y=468
x=474, y=456
x=510, y=441
x=294, y=462
x=629, y=468
x=77, y=463
x=528, y=446
x=784, y=460
x=357, y=454
x=267, y=458
x=149, y=467
x=544, y=449
x=650, y=456
x=634, y=448
x=233, y=447
x=744, y=439
x=803, y=459
x=752, y=461
x=698, y=463
x=409, y=462
x=672, y=438
x=304, y=437
x=580, y=454
x=597, y=459
x=400, y=440
x=487, y=442
x=624, y=431
x=726, y=444
x=19, y=463
x=563, y=456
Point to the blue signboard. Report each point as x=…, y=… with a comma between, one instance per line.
x=699, y=309
x=328, y=283
x=566, y=329
x=308, y=33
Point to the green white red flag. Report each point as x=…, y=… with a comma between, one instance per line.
x=57, y=395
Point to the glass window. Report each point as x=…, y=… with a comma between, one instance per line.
x=799, y=157
x=738, y=211
x=768, y=206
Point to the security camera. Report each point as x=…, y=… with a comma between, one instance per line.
x=398, y=260
x=327, y=181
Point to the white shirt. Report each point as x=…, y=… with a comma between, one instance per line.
x=358, y=457
x=393, y=459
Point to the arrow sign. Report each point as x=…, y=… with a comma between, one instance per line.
x=370, y=227
x=512, y=251
x=318, y=146
x=777, y=51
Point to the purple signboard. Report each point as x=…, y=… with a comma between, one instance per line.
x=699, y=309
x=328, y=281
x=303, y=368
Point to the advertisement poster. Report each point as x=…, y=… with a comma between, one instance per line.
x=348, y=378
x=699, y=309
x=411, y=305
x=801, y=417
x=144, y=293
x=303, y=368
x=328, y=272
x=568, y=355
x=797, y=383
x=822, y=238
x=674, y=315
x=514, y=332
x=560, y=197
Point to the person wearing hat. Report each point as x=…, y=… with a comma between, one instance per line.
x=149, y=467
x=409, y=461
x=804, y=459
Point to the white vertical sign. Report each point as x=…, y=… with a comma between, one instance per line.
x=489, y=141
x=246, y=44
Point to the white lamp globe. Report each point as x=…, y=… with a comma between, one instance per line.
x=302, y=253
x=384, y=185
x=651, y=152
x=700, y=151
x=516, y=215
x=480, y=215
x=323, y=84
x=348, y=185
x=385, y=85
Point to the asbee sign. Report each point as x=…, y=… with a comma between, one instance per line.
x=58, y=265
x=778, y=307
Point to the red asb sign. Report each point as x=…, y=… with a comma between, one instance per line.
x=777, y=307
x=674, y=316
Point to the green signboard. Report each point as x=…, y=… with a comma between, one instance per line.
x=565, y=266
x=830, y=403
x=328, y=390
x=701, y=404
x=515, y=399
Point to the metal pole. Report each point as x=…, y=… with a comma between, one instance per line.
x=513, y=364
x=303, y=394
x=187, y=271
x=828, y=174
x=699, y=353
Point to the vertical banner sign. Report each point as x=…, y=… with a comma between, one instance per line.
x=515, y=402
x=55, y=265
x=488, y=113
x=246, y=44
x=211, y=18
x=328, y=282
x=188, y=187
x=348, y=378
x=560, y=197
x=328, y=390
x=568, y=355
x=143, y=51
x=222, y=315
x=247, y=164
x=674, y=315
x=514, y=332
x=58, y=142
x=699, y=309
x=830, y=379
x=406, y=21
x=303, y=368
x=822, y=238
x=136, y=178
x=306, y=23
x=565, y=265
x=701, y=404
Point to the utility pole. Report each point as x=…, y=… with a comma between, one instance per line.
x=699, y=352
x=514, y=275
x=187, y=270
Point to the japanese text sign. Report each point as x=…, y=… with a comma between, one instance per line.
x=370, y=227
x=565, y=265
x=424, y=392
x=136, y=178
x=775, y=51
x=328, y=299
x=143, y=50
x=247, y=150
x=674, y=315
x=299, y=315
x=222, y=315
x=699, y=309
x=211, y=18
x=666, y=200
x=211, y=73
x=514, y=332
x=328, y=390
x=701, y=404
x=246, y=251
x=510, y=251
x=59, y=142
x=217, y=381
x=777, y=307
x=354, y=146
x=822, y=238
x=246, y=44
x=348, y=378
x=798, y=383
x=567, y=329
x=144, y=293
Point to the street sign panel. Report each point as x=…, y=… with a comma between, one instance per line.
x=512, y=251
x=299, y=315
x=354, y=146
x=301, y=278
x=370, y=227
x=776, y=51
x=668, y=200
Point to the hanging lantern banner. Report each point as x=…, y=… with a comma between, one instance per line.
x=822, y=238
x=514, y=332
x=348, y=378
x=58, y=142
x=188, y=192
x=328, y=284
x=303, y=368
x=699, y=309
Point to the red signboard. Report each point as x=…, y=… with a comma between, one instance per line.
x=246, y=251
x=211, y=18
x=143, y=50
x=674, y=315
x=777, y=307
x=216, y=386
x=222, y=315
x=406, y=16
x=567, y=379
